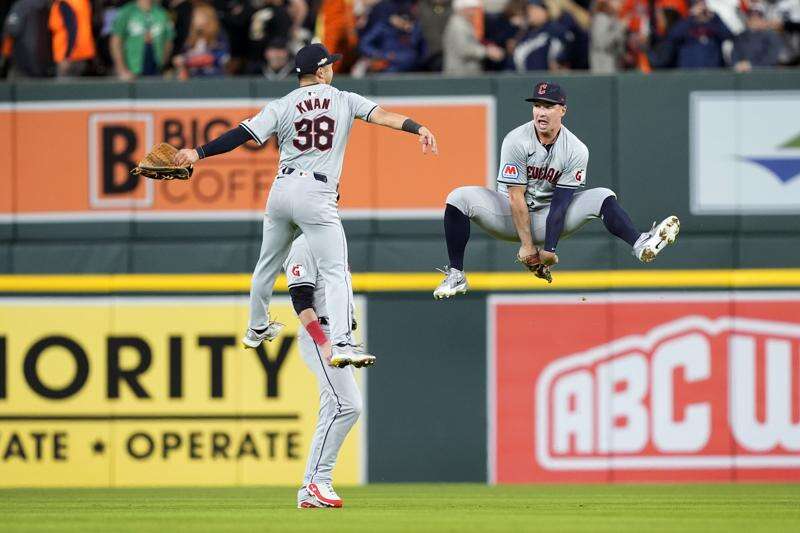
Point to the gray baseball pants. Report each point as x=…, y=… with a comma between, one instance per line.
x=340, y=405
x=491, y=210
x=300, y=201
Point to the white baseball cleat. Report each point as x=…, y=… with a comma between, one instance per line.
x=306, y=500
x=324, y=494
x=253, y=339
x=650, y=244
x=349, y=354
x=455, y=282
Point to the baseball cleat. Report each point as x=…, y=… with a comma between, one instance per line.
x=324, y=494
x=455, y=282
x=253, y=338
x=306, y=500
x=650, y=244
x=349, y=354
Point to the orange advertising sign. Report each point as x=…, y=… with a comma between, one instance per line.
x=86, y=176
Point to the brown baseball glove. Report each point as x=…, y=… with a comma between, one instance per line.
x=532, y=263
x=159, y=164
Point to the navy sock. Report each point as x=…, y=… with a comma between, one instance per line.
x=456, y=231
x=618, y=222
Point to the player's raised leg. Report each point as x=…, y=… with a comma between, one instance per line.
x=275, y=242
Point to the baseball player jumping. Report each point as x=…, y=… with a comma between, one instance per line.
x=339, y=397
x=312, y=124
x=538, y=198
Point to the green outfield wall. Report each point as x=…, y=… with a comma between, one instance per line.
x=637, y=128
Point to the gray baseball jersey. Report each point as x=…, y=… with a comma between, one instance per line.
x=525, y=161
x=312, y=124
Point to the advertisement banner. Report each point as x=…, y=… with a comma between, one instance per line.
x=155, y=391
x=644, y=387
x=745, y=152
x=87, y=177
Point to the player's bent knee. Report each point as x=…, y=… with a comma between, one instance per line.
x=599, y=196
x=603, y=192
x=459, y=198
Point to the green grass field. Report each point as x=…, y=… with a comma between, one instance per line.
x=377, y=508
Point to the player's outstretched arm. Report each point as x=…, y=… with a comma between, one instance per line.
x=396, y=121
x=224, y=143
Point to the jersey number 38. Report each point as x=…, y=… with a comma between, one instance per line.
x=316, y=133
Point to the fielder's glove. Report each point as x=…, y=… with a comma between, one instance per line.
x=532, y=263
x=159, y=164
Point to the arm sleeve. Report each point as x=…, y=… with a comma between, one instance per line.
x=226, y=142
x=264, y=124
x=360, y=107
x=513, y=163
x=302, y=297
x=556, y=216
x=574, y=175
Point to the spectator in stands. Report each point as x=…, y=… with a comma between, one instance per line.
x=395, y=45
x=379, y=12
x=541, y=47
x=104, y=14
x=574, y=22
x=299, y=35
x=433, y=18
x=181, y=13
x=234, y=17
x=271, y=20
x=730, y=12
x=73, y=43
x=336, y=29
x=26, y=39
x=785, y=18
x=759, y=45
x=503, y=29
x=695, y=42
x=141, y=41
x=463, y=53
x=607, y=37
x=649, y=22
x=277, y=61
x=206, y=51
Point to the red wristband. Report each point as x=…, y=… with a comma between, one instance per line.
x=315, y=330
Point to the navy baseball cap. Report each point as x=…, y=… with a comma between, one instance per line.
x=548, y=92
x=311, y=57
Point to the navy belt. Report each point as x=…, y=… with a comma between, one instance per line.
x=286, y=171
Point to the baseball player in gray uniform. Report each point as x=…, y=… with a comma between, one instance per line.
x=312, y=124
x=339, y=397
x=540, y=197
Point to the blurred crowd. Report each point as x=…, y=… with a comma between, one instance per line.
x=194, y=38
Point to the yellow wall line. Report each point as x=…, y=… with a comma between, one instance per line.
x=410, y=281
